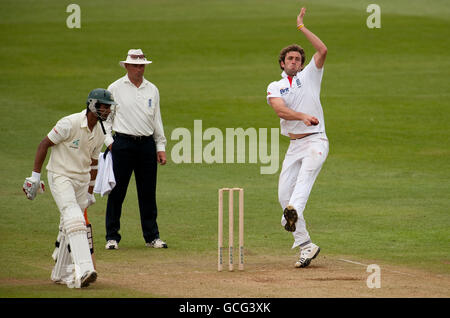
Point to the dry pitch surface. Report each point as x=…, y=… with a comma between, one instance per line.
x=264, y=276
x=275, y=277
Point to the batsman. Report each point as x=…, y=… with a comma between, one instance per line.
x=76, y=141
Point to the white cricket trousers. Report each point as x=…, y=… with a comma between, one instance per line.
x=301, y=166
x=71, y=198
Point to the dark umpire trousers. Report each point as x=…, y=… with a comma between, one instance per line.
x=136, y=154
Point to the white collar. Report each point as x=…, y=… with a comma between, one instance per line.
x=127, y=80
x=84, y=120
x=284, y=75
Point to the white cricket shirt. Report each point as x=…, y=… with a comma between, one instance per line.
x=137, y=111
x=75, y=146
x=300, y=93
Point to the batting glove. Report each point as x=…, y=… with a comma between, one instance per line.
x=33, y=185
x=91, y=199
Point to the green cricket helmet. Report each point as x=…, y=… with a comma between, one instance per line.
x=101, y=96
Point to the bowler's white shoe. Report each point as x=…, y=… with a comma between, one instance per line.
x=307, y=254
x=157, y=243
x=112, y=245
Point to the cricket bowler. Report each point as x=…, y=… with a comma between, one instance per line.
x=296, y=100
x=76, y=141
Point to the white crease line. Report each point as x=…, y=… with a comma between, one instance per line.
x=357, y=263
x=346, y=260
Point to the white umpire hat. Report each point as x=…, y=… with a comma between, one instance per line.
x=135, y=56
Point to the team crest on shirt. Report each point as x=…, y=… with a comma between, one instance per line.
x=284, y=91
x=150, y=103
x=75, y=144
x=299, y=84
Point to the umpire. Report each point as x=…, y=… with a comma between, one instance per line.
x=138, y=144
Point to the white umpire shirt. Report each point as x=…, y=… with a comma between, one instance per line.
x=137, y=111
x=300, y=93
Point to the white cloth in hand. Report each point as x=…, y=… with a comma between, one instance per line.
x=105, y=181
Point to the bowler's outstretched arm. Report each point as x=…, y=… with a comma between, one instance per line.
x=320, y=47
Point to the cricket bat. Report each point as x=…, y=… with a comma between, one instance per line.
x=90, y=237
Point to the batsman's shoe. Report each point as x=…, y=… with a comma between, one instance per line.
x=157, y=243
x=87, y=278
x=112, y=245
x=290, y=214
x=307, y=254
x=83, y=281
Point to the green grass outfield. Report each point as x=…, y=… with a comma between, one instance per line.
x=383, y=193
